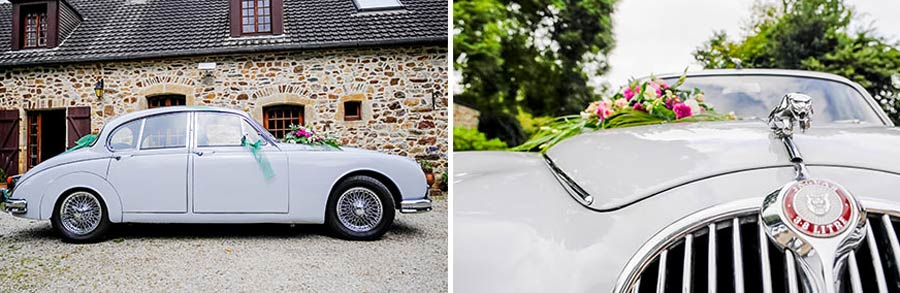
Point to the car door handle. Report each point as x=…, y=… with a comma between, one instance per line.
x=201, y=153
x=119, y=157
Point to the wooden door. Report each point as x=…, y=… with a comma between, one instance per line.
x=9, y=141
x=78, y=124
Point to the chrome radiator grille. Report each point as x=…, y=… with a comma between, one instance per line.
x=734, y=254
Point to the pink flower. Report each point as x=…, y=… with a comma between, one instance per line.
x=302, y=132
x=681, y=110
x=620, y=104
x=639, y=107
x=629, y=93
x=604, y=110
x=656, y=86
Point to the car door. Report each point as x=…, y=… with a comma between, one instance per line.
x=227, y=177
x=149, y=165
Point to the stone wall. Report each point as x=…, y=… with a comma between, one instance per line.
x=465, y=117
x=403, y=91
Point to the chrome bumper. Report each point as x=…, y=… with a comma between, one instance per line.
x=12, y=205
x=412, y=206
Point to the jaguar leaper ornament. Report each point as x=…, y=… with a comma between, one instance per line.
x=794, y=107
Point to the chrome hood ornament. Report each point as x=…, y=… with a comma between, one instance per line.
x=819, y=221
x=793, y=108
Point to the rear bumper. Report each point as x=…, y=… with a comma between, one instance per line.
x=12, y=205
x=412, y=206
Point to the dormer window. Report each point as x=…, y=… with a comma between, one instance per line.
x=35, y=27
x=368, y=5
x=41, y=24
x=256, y=17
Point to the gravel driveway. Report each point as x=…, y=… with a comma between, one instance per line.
x=262, y=257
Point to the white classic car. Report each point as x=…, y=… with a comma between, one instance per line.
x=192, y=165
x=757, y=205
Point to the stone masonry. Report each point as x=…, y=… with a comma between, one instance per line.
x=403, y=91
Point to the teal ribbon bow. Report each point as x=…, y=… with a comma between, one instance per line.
x=83, y=142
x=260, y=158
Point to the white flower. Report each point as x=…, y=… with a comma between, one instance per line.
x=695, y=107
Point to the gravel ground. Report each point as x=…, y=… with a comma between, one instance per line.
x=412, y=256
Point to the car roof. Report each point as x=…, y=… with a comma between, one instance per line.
x=764, y=71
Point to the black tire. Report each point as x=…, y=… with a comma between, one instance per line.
x=341, y=230
x=67, y=235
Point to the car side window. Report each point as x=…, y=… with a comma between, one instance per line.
x=218, y=129
x=165, y=131
x=126, y=136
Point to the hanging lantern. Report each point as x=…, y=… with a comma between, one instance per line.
x=98, y=89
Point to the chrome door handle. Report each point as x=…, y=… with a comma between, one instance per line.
x=201, y=153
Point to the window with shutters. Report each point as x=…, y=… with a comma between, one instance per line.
x=278, y=119
x=256, y=17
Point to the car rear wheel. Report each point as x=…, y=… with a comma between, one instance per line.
x=360, y=208
x=80, y=217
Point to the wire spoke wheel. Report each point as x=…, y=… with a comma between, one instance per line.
x=80, y=213
x=359, y=209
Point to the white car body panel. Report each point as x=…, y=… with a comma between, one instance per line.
x=136, y=190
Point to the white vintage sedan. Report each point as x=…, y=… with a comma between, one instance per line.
x=189, y=165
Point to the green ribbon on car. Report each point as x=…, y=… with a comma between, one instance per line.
x=260, y=158
x=83, y=142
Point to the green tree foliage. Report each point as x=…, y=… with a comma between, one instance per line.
x=812, y=35
x=468, y=139
x=529, y=55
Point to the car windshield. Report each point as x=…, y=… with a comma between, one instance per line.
x=753, y=96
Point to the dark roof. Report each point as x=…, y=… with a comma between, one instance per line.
x=134, y=29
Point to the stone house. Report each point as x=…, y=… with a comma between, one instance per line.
x=372, y=73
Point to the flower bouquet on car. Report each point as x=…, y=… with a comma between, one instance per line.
x=639, y=103
x=308, y=136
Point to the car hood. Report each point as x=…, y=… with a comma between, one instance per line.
x=619, y=167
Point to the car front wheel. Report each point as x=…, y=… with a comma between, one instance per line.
x=80, y=217
x=360, y=208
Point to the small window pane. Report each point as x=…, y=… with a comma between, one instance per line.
x=165, y=131
x=251, y=133
x=378, y=4
x=125, y=137
x=218, y=129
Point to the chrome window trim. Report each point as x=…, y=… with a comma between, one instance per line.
x=680, y=228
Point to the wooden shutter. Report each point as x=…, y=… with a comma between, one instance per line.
x=78, y=124
x=9, y=141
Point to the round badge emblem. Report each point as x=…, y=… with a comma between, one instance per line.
x=817, y=207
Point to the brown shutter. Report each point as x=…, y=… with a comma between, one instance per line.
x=277, y=17
x=78, y=123
x=9, y=141
x=234, y=17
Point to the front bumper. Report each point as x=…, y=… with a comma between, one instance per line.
x=412, y=206
x=12, y=205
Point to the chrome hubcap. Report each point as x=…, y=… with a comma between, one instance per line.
x=80, y=213
x=359, y=209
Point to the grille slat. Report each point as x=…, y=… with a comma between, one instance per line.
x=661, y=275
x=711, y=259
x=876, y=259
x=855, y=282
x=687, y=270
x=791, y=267
x=765, y=268
x=892, y=238
x=736, y=254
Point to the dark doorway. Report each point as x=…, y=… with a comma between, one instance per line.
x=46, y=135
